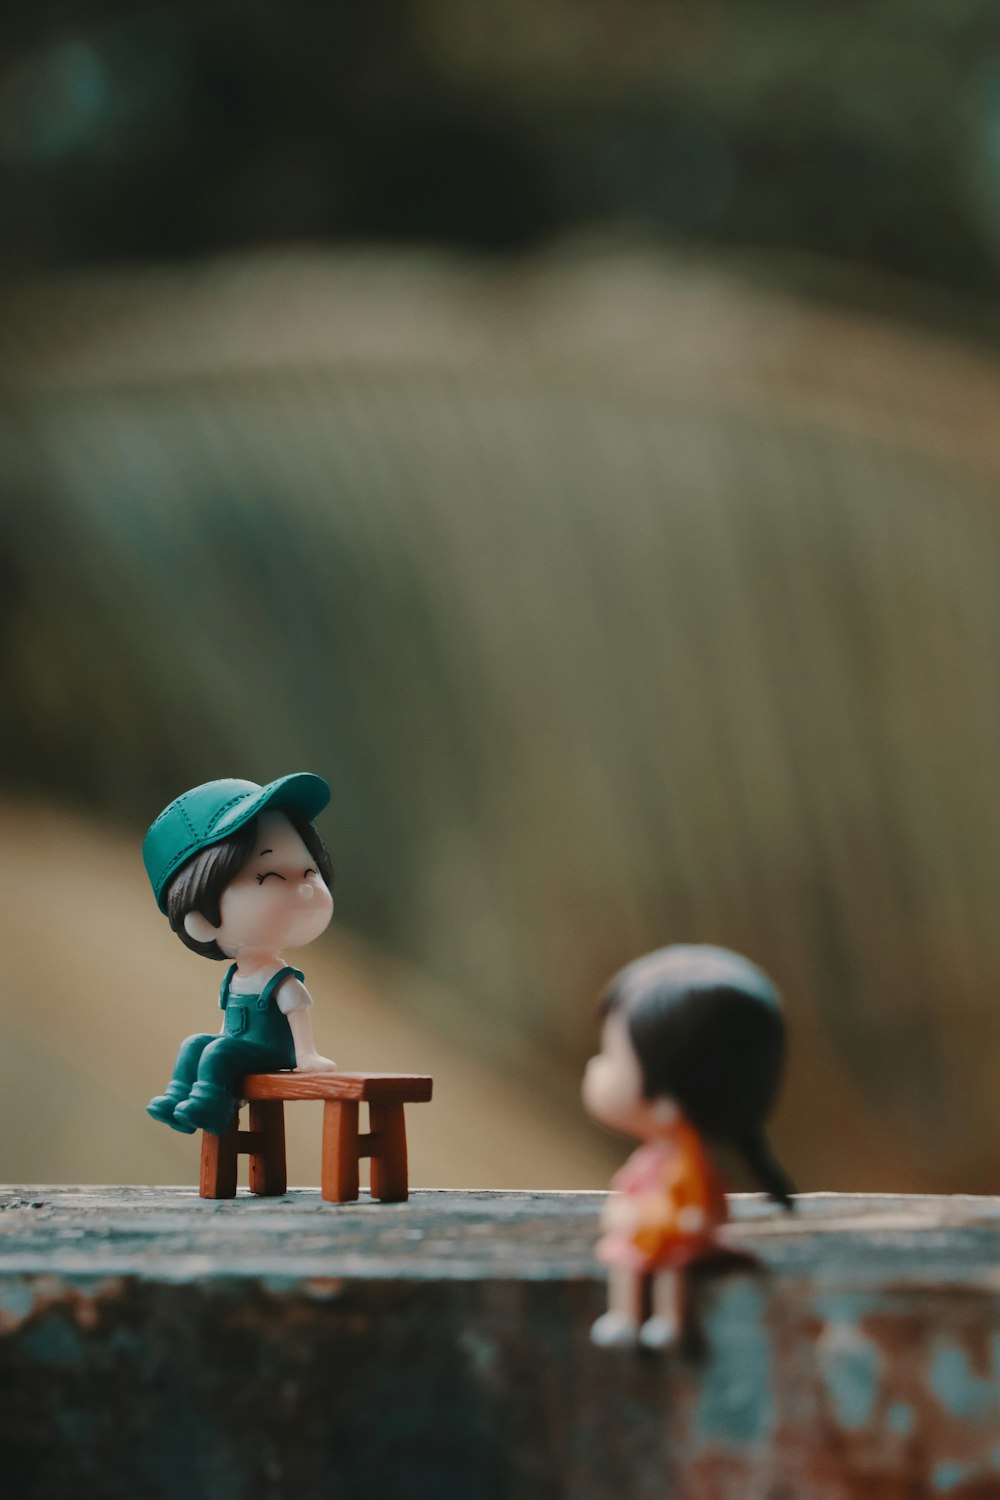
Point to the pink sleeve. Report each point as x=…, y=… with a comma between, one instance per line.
x=638, y=1175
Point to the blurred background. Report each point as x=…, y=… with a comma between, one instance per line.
x=573, y=429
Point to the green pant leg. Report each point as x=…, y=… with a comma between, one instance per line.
x=212, y=1101
x=225, y=1060
x=164, y=1105
x=189, y=1056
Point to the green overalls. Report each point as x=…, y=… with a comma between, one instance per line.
x=256, y=1038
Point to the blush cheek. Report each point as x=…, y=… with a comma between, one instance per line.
x=280, y=908
x=594, y=1088
x=251, y=914
x=610, y=1093
x=318, y=903
x=314, y=915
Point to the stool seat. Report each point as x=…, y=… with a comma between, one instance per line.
x=343, y=1144
x=410, y=1088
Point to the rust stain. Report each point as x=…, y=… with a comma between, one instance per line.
x=323, y=1288
x=25, y=1300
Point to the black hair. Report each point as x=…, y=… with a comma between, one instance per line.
x=708, y=1033
x=200, y=883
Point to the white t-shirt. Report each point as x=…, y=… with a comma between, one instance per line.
x=291, y=995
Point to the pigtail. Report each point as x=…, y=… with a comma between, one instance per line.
x=766, y=1168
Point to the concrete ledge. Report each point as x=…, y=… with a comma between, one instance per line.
x=155, y=1344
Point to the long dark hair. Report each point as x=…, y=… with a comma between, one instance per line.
x=708, y=1032
x=199, y=884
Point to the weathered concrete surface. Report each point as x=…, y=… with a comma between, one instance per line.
x=153, y=1344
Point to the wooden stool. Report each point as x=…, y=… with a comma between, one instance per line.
x=343, y=1145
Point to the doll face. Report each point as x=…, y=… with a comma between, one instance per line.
x=612, y=1087
x=278, y=900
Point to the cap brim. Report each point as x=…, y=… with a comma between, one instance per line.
x=301, y=793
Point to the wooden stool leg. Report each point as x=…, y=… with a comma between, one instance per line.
x=268, y=1176
x=218, y=1162
x=339, y=1176
x=389, y=1174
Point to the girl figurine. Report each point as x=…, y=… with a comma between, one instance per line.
x=692, y=1050
x=242, y=874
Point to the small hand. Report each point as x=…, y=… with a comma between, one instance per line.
x=619, y=1213
x=312, y=1062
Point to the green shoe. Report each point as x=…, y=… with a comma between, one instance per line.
x=163, y=1108
x=208, y=1107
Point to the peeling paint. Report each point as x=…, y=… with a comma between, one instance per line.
x=482, y=1352
x=17, y=1302
x=961, y=1392
x=851, y=1367
x=54, y=1343
x=25, y=1299
x=735, y=1400
x=844, y=1307
x=900, y=1419
x=949, y=1474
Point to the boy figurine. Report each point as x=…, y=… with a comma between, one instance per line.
x=242, y=874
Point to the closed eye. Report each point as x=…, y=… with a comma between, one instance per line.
x=267, y=875
x=311, y=871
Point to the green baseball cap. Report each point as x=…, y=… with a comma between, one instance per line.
x=210, y=813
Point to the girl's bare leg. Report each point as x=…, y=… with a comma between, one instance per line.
x=667, y=1323
x=620, y=1324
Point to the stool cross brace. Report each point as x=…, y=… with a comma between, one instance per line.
x=343, y=1144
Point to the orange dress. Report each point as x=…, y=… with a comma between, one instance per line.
x=661, y=1179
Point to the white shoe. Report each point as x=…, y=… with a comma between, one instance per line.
x=614, y=1331
x=658, y=1333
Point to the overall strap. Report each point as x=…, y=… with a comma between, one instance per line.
x=276, y=982
x=224, y=991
